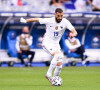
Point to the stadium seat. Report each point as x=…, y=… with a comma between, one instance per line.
x=11, y=41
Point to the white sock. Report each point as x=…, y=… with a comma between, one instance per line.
x=52, y=65
x=57, y=70
x=83, y=62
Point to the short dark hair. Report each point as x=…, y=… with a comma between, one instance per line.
x=59, y=10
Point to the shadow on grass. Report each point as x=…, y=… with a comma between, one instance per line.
x=20, y=85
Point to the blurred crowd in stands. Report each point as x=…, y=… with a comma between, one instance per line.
x=49, y=5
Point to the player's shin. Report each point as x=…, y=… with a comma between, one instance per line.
x=57, y=70
x=58, y=66
x=52, y=65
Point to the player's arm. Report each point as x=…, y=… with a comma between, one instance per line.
x=22, y=20
x=17, y=45
x=95, y=7
x=73, y=33
x=71, y=28
x=93, y=4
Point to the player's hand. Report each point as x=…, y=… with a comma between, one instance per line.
x=19, y=51
x=22, y=20
x=72, y=50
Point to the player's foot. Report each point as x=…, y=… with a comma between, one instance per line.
x=49, y=78
x=29, y=64
x=83, y=63
x=85, y=57
x=26, y=65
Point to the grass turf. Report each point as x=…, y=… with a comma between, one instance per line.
x=74, y=78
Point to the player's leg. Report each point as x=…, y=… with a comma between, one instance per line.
x=81, y=51
x=21, y=58
x=54, y=50
x=53, y=63
x=32, y=53
x=49, y=49
x=59, y=65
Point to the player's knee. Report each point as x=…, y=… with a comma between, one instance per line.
x=19, y=55
x=59, y=67
x=55, y=53
x=59, y=64
x=59, y=57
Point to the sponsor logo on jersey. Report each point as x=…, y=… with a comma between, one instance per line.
x=56, y=27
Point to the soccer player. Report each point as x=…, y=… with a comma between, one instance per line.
x=55, y=27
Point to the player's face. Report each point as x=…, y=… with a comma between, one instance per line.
x=25, y=30
x=70, y=35
x=58, y=17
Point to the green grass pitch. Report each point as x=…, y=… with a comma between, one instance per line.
x=32, y=78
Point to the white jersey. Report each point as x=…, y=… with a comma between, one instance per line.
x=54, y=30
x=96, y=3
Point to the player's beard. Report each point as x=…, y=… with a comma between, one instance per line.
x=58, y=20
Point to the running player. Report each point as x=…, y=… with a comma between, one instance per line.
x=55, y=27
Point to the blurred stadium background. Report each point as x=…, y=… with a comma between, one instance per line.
x=79, y=12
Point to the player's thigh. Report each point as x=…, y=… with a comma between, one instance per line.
x=51, y=48
x=57, y=49
x=30, y=53
x=48, y=49
x=59, y=63
x=19, y=55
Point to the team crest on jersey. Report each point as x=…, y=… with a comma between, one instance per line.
x=56, y=27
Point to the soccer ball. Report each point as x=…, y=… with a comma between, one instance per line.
x=56, y=81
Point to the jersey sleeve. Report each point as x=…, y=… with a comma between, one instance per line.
x=43, y=20
x=94, y=2
x=69, y=25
